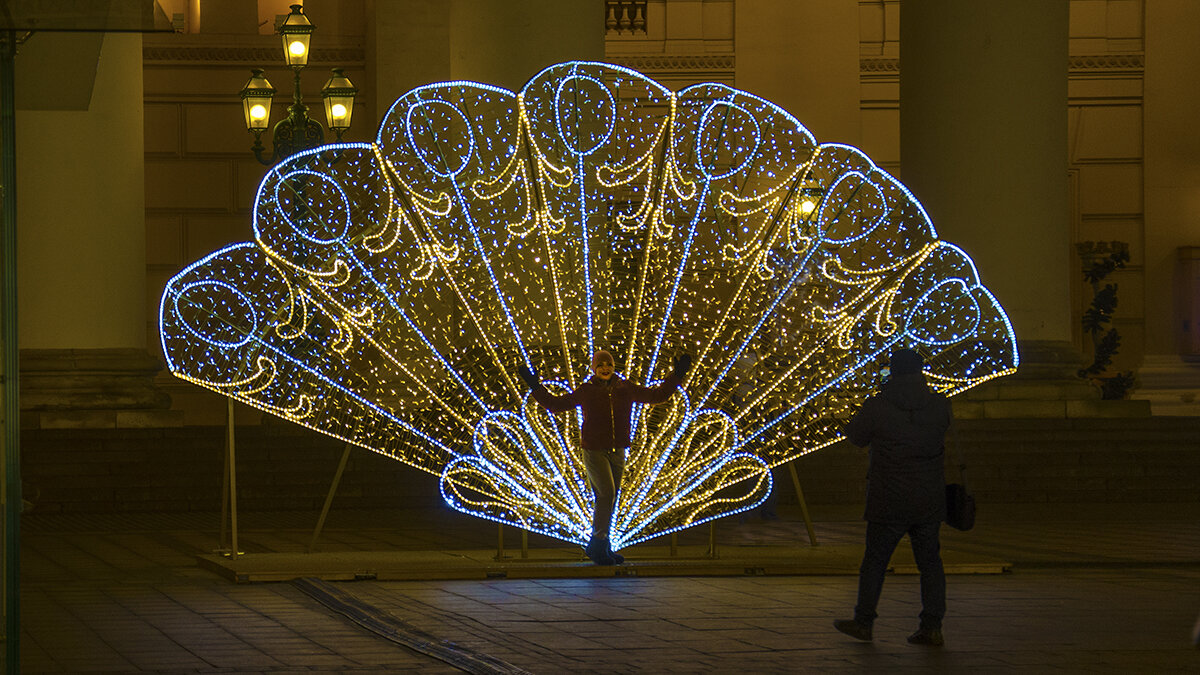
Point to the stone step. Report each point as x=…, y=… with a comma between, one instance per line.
x=1077, y=426
x=1020, y=408
x=136, y=418
x=1016, y=389
x=281, y=467
x=1111, y=460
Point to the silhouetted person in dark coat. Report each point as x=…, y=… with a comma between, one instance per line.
x=905, y=426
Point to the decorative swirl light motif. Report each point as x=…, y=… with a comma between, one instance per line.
x=393, y=288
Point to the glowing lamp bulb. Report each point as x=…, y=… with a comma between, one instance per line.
x=807, y=206
x=258, y=111
x=338, y=110
x=296, y=48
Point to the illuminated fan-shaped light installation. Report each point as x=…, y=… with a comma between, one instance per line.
x=393, y=288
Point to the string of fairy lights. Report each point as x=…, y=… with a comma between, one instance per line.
x=393, y=288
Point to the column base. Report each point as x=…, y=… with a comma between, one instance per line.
x=1046, y=385
x=1170, y=384
x=92, y=389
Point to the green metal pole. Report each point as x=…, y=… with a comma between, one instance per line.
x=337, y=478
x=812, y=534
x=8, y=319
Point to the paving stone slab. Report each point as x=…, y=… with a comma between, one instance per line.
x=829, y=559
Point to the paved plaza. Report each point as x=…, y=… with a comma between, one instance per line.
x=1107, y=588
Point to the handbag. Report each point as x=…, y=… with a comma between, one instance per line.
x=960, y=507
x=960, y=503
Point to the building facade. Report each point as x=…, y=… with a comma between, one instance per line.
x=137, y=163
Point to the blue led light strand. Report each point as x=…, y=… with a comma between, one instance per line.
x=394, y=287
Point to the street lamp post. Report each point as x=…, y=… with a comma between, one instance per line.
x=297, y=131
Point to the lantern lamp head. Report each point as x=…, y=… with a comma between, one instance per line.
x=296, y=31
x=256, y=101
x=811, y=197
x=338, y=94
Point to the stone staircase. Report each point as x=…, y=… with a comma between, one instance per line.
x=1046, y=385
x=1133, y=459
x=284, y=467
x=280, y=466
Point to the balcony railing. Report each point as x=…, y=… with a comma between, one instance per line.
x=625, y=16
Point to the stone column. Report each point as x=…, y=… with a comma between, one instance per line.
x=228, y=17
x=408, y=45
x=1172, y=208
x=803, y=56
x=506, y=43
x=493, y=41
x=983, y=145
x=81, y=232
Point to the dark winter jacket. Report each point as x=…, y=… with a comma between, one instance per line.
x=606, y=407
x=905, y=425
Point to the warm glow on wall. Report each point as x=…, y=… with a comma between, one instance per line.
x=393, y=288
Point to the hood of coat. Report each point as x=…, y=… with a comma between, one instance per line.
x=908, y=391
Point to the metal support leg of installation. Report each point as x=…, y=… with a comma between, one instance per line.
x=812, y=534
x=500, y=542
x=337, y=478
x=229, y=486
x=712, y=539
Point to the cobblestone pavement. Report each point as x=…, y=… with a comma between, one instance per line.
x=1094, y=589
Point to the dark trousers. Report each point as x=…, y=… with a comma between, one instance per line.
x=882, y=539
x=604, y=470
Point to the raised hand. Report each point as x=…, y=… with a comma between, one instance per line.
x=529, y=375
x=682, y=364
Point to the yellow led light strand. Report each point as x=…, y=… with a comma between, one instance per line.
x=654, y=196
x=442, y=262
x=834, y=286
x=726, y=316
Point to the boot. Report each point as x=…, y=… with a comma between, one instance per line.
x=616, y=557
x=927, y=636
x=853, y=628
x=597, y=550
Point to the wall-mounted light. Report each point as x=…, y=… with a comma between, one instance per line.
x=256, y=101
x=296, y=31
x=338, y=94
x=296, y=132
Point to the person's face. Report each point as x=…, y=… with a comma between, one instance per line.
x=603, y=367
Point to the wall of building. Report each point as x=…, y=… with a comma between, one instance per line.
x=201, y=178
x=679, y=43
x=285, y=467
x=1172, y=174
x=1132, y=180
x=1106, y=70
x=1105, y=134
x=200, y=174
x=79, y=192
x=1105, y=74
